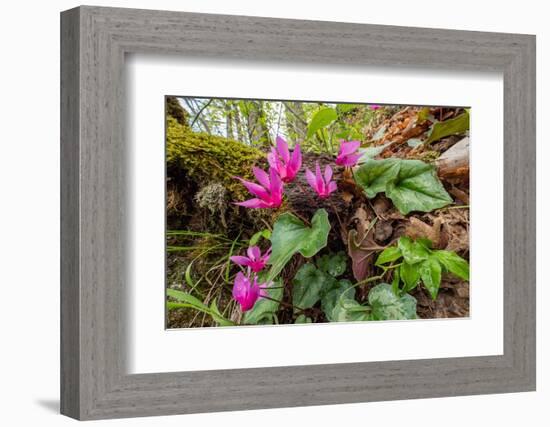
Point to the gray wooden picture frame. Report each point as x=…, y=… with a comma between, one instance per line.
x=94, y=41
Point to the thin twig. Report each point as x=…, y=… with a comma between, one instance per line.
x=295, y=114
x=279, y=119
x=294, y=307
x=194, y=111
x=337, y=216
x=200, y=111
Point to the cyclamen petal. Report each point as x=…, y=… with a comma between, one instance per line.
x=270, y=195
x=276, y=184
x=261, y=176
x=240, y=260
x=247, y=291
x=255, y=260
x=323, y=186
x=252, y=204
x=349, y=147
x=285, y=164
x=255, y=189
x=328, y=173
x=352, y=159
x=296, y=160
x=331, y=187
x=311, y=180
x=318, y=176
x=239, y=286
x=273, y=160
x=265, y=258
x=347, y=153
x=253, y=253
x=282, y=148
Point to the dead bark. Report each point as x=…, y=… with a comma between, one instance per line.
x=455, y=162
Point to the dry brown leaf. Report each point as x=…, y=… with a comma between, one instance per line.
x=460, y=195
x=361, y=244
x=418, y=229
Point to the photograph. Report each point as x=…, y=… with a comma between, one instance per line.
x=283, y=212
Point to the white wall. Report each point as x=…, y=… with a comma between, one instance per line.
x=29, y=237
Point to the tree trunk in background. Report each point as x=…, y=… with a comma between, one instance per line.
x=257, y=125
x=295, y=119
x=229, y=120
x=238, y=123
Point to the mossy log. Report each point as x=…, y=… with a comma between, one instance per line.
x=303, y=199
x=207, y=159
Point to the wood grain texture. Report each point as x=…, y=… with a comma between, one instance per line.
x=94, y=382
x=70, y=334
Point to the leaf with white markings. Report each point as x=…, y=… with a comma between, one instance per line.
x=412, y=185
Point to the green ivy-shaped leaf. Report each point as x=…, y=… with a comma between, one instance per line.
x=420, y=262
x=309, y=284
x=290, y=236
x=412, y=251
x=410, y=275
x=374, y=175
x=333, y=264
x=412, y=185
x=453, y=263
x=349, y=310
x=342, y=289
x=430, y=271
x=417, y=188
x=391, y=253
x=386, y=305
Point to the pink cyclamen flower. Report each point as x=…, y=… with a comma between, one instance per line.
x=323, y=187
x=269, y=191
x=280, y=159
x=375, y=106
x=255, y=260
x=247, y=290
x=347, y=154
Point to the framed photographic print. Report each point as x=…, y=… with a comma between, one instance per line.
x=368, y=225
x=346, y=212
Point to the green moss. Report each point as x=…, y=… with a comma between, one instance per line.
x=206, y=158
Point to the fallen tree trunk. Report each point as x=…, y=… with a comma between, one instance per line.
x=455, y=162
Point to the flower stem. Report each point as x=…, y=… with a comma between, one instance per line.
x=285, y=304
x=336, y=213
